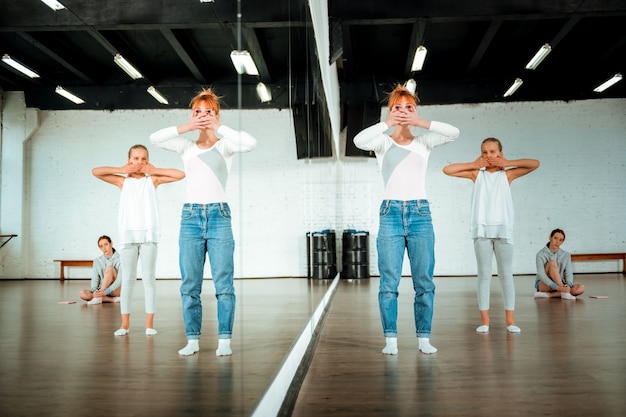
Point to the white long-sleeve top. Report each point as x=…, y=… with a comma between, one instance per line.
x=404, y=166
x=206, y=170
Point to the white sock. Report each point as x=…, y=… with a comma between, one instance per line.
x=541, y=294
x=483, y=329
x=567, y=296
x=513, y=329
x=95, y=300
x=117, y=299
x=193, y=345
x=391, y=348
x=223, y=348
x=425, y=346
x=151, y=332
x=121, y=332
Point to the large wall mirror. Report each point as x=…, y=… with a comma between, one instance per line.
x=278, y=192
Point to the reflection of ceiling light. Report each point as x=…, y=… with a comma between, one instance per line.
x=127, y=67
x=411, y=85
x=53, y=4
x=18, y=66
x=513, y=88
x=263, y=92
x=539, y=56
x=157, y=95
x=418, y=59
x=243, y=62
x=615, y=79
x=71, y=97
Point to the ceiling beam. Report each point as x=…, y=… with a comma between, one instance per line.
x=183, y=55
x=417, y=39
x=250, y=42
x=569, y=25
x=55, y=56
x=479, y=18
x=104, y=42
x=493, y=28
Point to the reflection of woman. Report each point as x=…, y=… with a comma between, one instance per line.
x=105, y=285
x=554, y=270
x=405, y=220
x=205, y=225
x=491, y=218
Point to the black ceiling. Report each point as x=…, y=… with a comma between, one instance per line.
x=475, y=49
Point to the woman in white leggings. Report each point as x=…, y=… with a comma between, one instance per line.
x=491, y=222
x=138, y=223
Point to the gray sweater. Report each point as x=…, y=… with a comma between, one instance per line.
x=100, y=265
x=564, y=262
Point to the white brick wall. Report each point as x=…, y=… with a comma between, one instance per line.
x=276, y=199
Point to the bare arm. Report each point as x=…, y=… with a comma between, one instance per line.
x=112, y=175
x=162, y=175
x=516, y=168
x=467, y=170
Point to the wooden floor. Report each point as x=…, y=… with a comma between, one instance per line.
x=63, y=360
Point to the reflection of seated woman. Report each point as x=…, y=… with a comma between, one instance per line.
x=105, y=285
x=554, y=270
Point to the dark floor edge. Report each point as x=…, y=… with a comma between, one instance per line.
x=291, y=396
x=281, y=394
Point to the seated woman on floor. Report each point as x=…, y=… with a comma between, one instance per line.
x=554, y=270
x=105, y=284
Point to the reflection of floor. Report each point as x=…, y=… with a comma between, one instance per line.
x=63, y=360
x=568, y=360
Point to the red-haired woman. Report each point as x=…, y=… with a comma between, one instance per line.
x=405, y=219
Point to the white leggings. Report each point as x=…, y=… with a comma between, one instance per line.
x=484, y=250
x=130, y=254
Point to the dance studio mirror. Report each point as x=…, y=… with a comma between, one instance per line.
x=279, y=191
x=275, y=189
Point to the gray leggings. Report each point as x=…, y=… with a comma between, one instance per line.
x=484, y=250
x=130, y=254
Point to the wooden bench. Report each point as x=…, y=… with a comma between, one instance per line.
x=577, y=257
x=72, y=262
x=7, y=237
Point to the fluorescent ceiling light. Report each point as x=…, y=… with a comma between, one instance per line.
x=207, y=1
x=411, y=85
x=243, y=62
x=18, y=66
x=541, y=54
x=264, y=93
x=53, y=4
x=615, y=79
x=127, y=67
x=71, y=97
x=513, y=88
x=418, y=59
x=157, y=95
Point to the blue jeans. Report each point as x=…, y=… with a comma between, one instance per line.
x=206, y=228
x=406, y=224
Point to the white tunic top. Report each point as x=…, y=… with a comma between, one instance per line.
x=492, y=214
x=138, y=218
